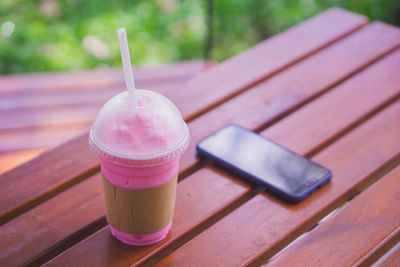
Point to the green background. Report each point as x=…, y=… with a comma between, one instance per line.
x=59, y=35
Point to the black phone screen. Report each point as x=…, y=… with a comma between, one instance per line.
x=263, y=159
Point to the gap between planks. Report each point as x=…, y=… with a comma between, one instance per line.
x=368, y=259
x=69, y=241
x=391, y=258
x=347, y=77
x=379, y=251
x=357, y=221
x=153, y=257
x=48, y=195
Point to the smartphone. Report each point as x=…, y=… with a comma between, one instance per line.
x=287, y=175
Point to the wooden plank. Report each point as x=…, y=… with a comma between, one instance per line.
x=13, y=159
x=35, y=119
x=28, y=236
x=93, y=80
x=356, y=160
x=344, y=107
x=223, y=81
x=40, y=137
x=70, y=166
x=392, y=259
x=377, y=252
x=57, y=100
x=52, y=224
x=364, y=80
x=358, y=228
x=47, y=175
x=44, y=117
x=28, y=127
x=265, y=103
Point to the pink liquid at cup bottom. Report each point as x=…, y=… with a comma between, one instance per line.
x=141, y=240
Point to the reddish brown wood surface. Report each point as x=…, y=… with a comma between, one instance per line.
x=131, y=259
x=59, y=99
x=365, y=82
x=206, y=193
x=358, y=227
x=343, y=109
x=14, y=159
x=270, y=100
x=277, y=91
x=17, y=199
x=94, y=80
x=46, y=175
x=40, y=111
x=30, y=235
x=238, y=73
x=27, y=190
x=81, y=90
x=392, y=259
x=351, y=102
x=60, y=116
x=356, y=160
x=345, y=23
x=379, y=251
x=41, y=137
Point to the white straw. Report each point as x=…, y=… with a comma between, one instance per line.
x=126, y=63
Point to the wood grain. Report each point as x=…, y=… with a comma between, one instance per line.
x=41, y=113
x=84, y=99
x=30, y=235
x=343, y=108
x=53, y=82
x=356, y=160
x=41, y=137
x=385, y=246
x=71, y=169
x=11, y=160
x=52, y=223
x=365, y=82
x=269, y=101
x=392, y=259
x=56, y=123
x=23, y=119
x=359, y=227
x=45, y=176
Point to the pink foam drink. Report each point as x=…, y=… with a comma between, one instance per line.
x=139, y=150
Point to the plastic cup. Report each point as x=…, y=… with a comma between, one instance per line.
x=139, y=150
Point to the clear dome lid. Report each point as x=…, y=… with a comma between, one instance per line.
x=151, y=133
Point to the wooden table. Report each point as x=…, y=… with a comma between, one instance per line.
x=327, y=88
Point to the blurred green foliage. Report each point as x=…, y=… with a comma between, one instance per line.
x=56, y=35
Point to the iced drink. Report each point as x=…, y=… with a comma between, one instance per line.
x=139, y=149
